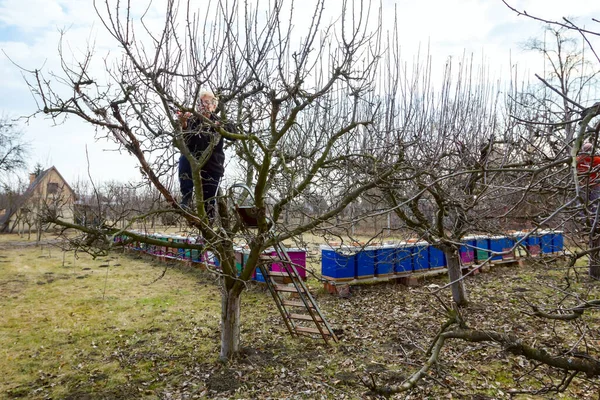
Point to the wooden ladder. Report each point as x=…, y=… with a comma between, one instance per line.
x=307, y=319
x=307, y=310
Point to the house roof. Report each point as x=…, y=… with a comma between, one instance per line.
x=27, y=195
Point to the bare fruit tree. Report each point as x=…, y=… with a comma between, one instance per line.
x=558, y=115
x=297, y=94
x=457, y=145
x=13, y=149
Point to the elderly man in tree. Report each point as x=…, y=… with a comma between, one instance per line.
x=202, y=137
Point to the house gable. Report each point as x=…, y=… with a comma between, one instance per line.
x=49, y=186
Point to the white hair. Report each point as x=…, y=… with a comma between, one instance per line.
x=214, y=102
x=207, y=93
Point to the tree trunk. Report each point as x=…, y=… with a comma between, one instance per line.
x=459, y=293
x=594, y=262
x=230, y=323
x=39, y=231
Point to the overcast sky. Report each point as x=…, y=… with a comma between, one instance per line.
x=29, y=35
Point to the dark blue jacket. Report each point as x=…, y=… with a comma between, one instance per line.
x=198, y=137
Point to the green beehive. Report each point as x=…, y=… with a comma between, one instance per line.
x=239, y=259
x=483, y=248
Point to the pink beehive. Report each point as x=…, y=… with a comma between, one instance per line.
x=297, y=256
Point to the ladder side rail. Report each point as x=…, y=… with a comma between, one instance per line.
x=314, y=311
x=278, y=301
x=309, y=302
x=293, y=273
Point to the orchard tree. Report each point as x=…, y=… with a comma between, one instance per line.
x=555, y=117
x=299, y=91
x=458, y=146
x=13, y=149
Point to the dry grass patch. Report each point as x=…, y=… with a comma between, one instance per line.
x=100, y=322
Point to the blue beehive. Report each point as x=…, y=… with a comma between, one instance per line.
x=482, y=252
x=558, y=241
x=257, y=274
x=437, y=258
x=497, y=246
x=534, y=244
x=546, y=242
x=404, y=259
x=215, y=260
x=508, y=244
x=196, y=255
x=385, y=261
x=338, y=263
x=420, y=256
x=259, y=277
x=366, y=259
x=466, y=252
x=187, y=253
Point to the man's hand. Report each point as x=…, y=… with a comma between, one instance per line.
x=183, y=118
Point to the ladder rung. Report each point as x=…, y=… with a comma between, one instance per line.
x=286, y=288
x=293, y=303
x=267, y=257
x=279, y=273
x=304, y=317
x=304, y=329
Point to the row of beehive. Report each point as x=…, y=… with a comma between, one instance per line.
x=297, y=256
x=344, y=263
x=166, y=250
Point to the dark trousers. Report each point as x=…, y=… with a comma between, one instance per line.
x=210, y=185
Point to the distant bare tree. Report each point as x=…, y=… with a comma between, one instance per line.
x=557, y=116
x=11, y=195
x=13, y=149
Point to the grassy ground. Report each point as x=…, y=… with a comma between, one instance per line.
x=76, y=328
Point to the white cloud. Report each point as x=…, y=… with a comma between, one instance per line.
x=30, y=15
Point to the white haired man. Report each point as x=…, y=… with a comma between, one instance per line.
x=201, y=135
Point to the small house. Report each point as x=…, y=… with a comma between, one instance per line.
x=48, y=194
